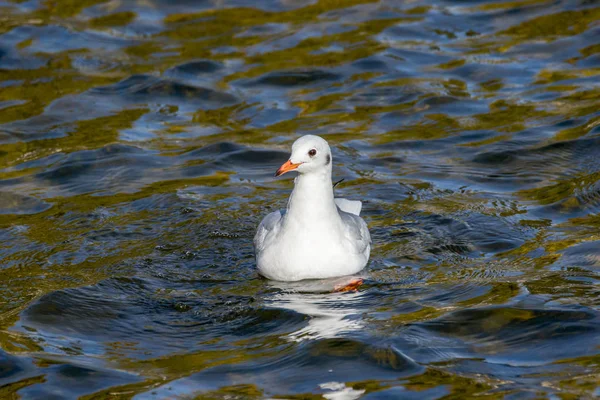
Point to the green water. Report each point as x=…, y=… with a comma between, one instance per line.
x=138, y=142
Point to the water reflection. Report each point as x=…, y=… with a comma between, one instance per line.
x=137, y=146
x=328, y=314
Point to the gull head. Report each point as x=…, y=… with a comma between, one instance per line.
x=310, y=153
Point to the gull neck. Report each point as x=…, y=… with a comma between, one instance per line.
x=312, y=197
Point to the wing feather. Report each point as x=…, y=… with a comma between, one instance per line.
x=349, y=206
x=268, y=224
x=357, y=231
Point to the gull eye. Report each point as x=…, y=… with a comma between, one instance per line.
x=312, y=152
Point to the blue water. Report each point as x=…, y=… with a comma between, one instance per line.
x=138, y=142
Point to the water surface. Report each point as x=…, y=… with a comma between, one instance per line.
x=138, y=140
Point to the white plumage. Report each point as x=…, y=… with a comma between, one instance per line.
x=318, y=236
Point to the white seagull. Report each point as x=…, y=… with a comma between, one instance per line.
x=318, y=236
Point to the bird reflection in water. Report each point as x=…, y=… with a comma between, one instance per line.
x=330, y=314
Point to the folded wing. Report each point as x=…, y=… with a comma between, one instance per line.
x=349, y=206
x=268, y=224
x=356, y=230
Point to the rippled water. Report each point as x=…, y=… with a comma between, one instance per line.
x=138, y=140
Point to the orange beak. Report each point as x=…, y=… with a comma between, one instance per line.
x=286, y=167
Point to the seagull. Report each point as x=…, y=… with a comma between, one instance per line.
x=317, y=236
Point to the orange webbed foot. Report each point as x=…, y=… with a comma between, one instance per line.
x=351, y=286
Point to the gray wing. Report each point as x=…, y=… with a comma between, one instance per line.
x=268, y=224
x=349, y=206
x=357, y=232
